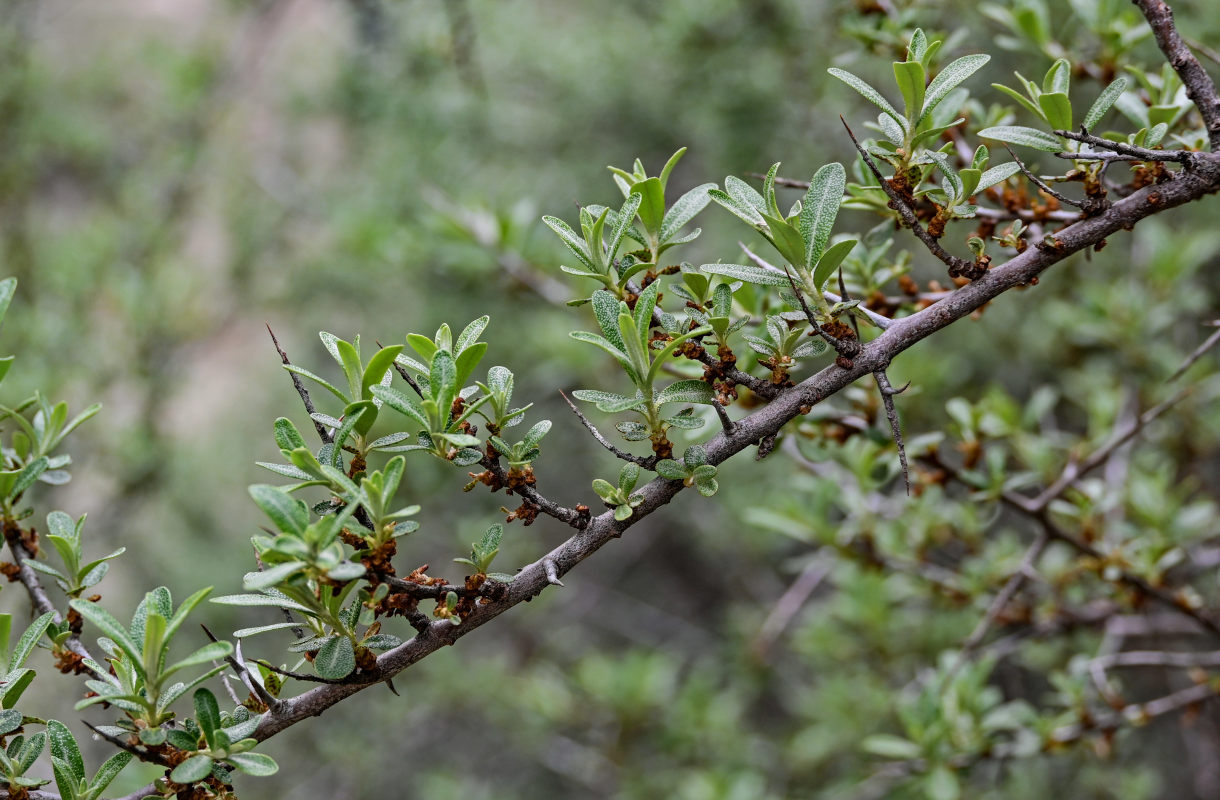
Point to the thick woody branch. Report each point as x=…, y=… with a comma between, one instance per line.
x=1199, y=86
x=769, y=420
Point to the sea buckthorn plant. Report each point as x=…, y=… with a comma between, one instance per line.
x=782, y=350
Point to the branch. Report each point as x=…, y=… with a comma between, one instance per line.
x=646, y=462
x=767, y=422
x=40, y=600
x=1199, y=352
x=1199, y=86
x=887, y=399
x=1129, y=152
x=1090, y=205
x=325, y=435
x=957, y=266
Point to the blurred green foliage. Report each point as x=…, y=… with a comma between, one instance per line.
x=172, y=175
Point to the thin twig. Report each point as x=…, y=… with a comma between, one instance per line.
x=1199, y=352
x=880, y=321
x=326, y=436
x=646, y=463
x=1089, y=205
x=1186, y=157
x=957, y=266
x=887, y=398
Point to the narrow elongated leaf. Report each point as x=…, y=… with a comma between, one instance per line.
x=1104, y=102
x=1057, y=109
x=109, y=771
x=830, y=261
x=108, y=625
x=747, y=273
x=684, y=210
x=743, y=211
x=997, y=174
x=1026, y=137
x=401, y=403
x=573, y=242
x=7, y=287
x=65, y=748
x=949, y=79
x=254, y=763
x=869, y=93
x=25, y=645
x=819, y=209
x=260, y=600
x=255, y=581
x=911, y=82
x=289, y=514
x=325, y=384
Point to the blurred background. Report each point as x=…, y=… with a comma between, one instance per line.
x=177, y=174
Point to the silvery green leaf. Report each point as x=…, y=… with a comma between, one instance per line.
x=949, y=78
x=684, y=210
x=1104, y=102
x=744, y=211
x=1027, y=137
x=869, y=93
x=690, y=391
x=819, y=209
x=997, y=174
x=573, y=242
x=748, y=273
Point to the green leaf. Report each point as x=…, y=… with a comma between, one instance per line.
x=670, y=469
x=1026, y=137
x=997, y=174
x=29, y=639
x=254, y=763
x=623, y=222
x=207, y=713
x=1104, y=102
x=1058, y=78
x=684, y=210
x=325, y=384
x=108, y=625
x=336, y=658
x=401, y=403
x=911, y=82
x=374, y=373
x=65, y=748
x=819, y=209
x=747, y=273
x=8, y=287
x=869, y=93
x=652, y=204
x=574, y=243
x=888, y=746
x=949, y=79
x=194, y=769
x=109, y=771
x=743, y=211
x=259, y=600
x=212, y=651
x=830, y=261
x=1057, y=109
x=289, y=514
x=11, y=719
x=287, y=437
x=27, y=476
x=690, y=391
x=669, y=166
